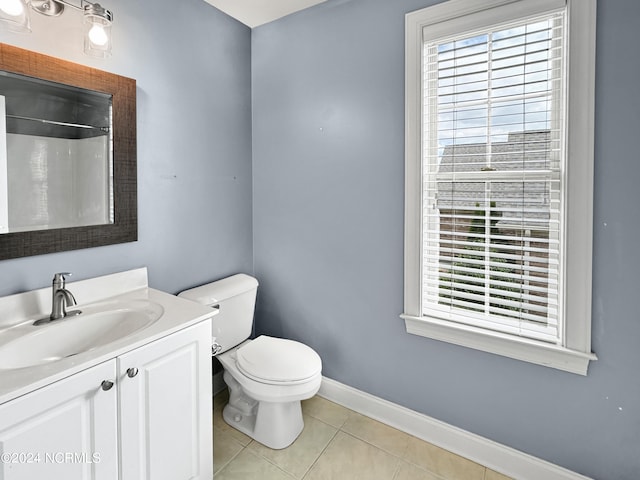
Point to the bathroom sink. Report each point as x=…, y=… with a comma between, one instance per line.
x=27, y=345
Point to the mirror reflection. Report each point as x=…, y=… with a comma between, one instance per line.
x=56, y=155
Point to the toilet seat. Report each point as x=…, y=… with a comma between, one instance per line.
x=278, y=361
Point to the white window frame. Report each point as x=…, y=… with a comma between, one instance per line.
x=574, y=354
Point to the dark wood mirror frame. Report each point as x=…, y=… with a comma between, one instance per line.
x=123, y=91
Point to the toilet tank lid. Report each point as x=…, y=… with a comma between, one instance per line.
x=215, y=292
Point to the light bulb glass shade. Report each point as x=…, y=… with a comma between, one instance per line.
x=14, y=15
x=97, y=31
x=97, y=35
x=13, y=8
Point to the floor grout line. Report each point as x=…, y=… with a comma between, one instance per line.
x=321, y=453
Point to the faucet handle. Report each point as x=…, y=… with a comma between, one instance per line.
x=59, y=278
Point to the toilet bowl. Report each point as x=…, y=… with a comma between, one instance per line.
x=269, y=409
x=267, y=377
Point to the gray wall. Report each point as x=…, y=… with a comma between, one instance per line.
x=328, y=166
x=192, y=66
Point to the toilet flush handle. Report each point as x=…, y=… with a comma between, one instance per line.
x=215, y=349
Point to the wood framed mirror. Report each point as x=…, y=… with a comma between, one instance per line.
x=68, y=173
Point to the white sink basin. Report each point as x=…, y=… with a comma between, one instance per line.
x=26, y=345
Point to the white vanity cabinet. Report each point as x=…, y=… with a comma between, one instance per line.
x=66, y=430
x=154, y=422
x=166, y=419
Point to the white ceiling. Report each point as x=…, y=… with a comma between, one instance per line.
x=258, y=12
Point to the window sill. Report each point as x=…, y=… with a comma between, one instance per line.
x=531, y=351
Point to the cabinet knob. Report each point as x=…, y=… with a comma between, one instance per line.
x=106, y=385
x=132, y=372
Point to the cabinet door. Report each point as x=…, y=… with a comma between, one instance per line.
x=64, y=431
x=166, y=408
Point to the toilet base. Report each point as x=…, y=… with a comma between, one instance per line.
x=274, y=424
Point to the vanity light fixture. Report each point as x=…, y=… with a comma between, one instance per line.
x=97, y=20
x=15, y=15
x=97, y=30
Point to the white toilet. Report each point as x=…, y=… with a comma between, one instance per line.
x=267, y=377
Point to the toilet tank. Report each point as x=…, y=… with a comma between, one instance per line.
x=235, y=297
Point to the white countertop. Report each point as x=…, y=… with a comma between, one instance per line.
x=132, y=285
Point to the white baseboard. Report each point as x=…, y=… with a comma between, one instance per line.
x=500, y=458
x=218, y=383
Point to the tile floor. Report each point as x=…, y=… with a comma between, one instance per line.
x=336, y=444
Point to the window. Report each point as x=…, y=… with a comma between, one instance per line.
x=499, y=176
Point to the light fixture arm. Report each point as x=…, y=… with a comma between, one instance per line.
x=77, y=7
x=53, y=8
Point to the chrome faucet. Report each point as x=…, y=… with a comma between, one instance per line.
x=61, y=299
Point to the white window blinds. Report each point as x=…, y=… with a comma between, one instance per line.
x=493, y=159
